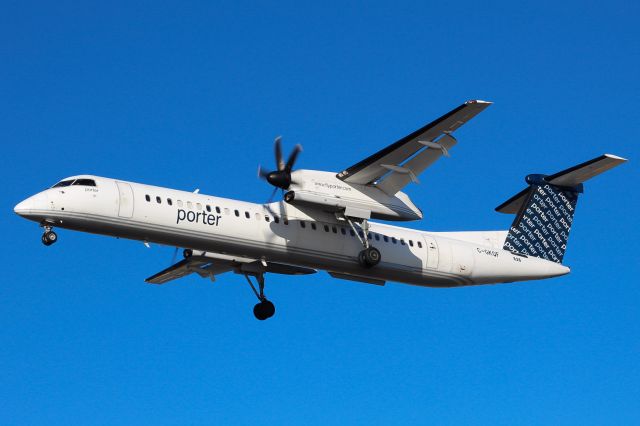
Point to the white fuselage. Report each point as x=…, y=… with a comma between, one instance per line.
x=280, y=232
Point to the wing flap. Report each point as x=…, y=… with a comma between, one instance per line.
x=202, y=265
x=212, y=264
x=395, y=181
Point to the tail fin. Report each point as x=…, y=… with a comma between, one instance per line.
x=544, y=211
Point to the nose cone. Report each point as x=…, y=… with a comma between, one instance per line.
x=24, y=207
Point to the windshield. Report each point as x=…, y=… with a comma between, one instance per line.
x=85, y=182
x=63, y=183
x=74, y=182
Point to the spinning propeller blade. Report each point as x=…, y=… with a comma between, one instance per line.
x=281, y=177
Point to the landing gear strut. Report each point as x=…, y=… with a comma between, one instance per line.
x=264, y=309
x=370, y=256
x=49, y=237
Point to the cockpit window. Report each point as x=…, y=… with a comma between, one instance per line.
x=63, y=183
x=80, y=182
x=85, y=182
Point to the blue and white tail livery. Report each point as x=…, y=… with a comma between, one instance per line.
x=329, y=221
x=545, y=210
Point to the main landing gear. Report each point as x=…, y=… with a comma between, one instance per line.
x=264, y=309
x=370, y=256
x=49, y=237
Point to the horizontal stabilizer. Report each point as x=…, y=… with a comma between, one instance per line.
x=583, y=172
x=544, y=211
x=570, y=177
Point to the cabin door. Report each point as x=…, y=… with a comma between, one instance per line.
x=125, y=199
x=432, y=252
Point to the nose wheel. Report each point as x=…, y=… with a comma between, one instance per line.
x=264, y=309
x=49, y=237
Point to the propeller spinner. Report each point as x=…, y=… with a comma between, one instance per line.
x=281, y=177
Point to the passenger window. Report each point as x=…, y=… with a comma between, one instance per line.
x=189, y=205
x=247, y=215
x=146, y=197
x=369, y=235
x=343, y=231
x=402, y=241
x=302, y=224
x=276, y=219
x=377, y=237
x=411, y=243
x=208, y=208
x=169, y=201
x=285, y=221
x=313, y=226
x=326, y=228
x=237, y=213
x=419, y=244
x=266, y=218
x=158, y=200
x=393, y=240
x=84, y=182
x=385, y=238
x=179, y=203
x=218, y=209
x=353, y=234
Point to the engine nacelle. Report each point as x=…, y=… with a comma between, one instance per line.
x=360, y=202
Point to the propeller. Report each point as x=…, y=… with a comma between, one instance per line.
x=281, y=177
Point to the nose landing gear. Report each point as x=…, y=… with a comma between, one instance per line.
x=49, y=237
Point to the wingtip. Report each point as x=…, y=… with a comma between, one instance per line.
x=478, y=101
x=615, y=157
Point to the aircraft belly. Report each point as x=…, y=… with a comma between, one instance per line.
x=320, y=253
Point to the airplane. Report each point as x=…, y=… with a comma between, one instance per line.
x=324, y=221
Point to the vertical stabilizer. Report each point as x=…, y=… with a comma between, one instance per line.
x=541, y=227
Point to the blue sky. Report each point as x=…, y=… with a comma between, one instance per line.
x=191, y=95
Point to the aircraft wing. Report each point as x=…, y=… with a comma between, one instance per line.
x=395, y=166
x=203, y=266
x=208, y=265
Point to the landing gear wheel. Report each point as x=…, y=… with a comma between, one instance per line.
x=264, y=310
x=372, y=255
x=49, y=237
x=369, y=257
